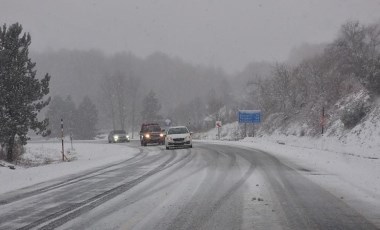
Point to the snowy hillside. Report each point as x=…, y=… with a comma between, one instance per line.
x=362, y=139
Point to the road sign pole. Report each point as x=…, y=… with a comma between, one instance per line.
x=63, y=149
x=71, y=140
x=249, y=116
x=218, y=125
x=323, y=119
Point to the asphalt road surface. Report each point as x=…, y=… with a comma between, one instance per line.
x=206, y=187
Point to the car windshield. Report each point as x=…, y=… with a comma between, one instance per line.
x=180, y=130
x=119, y=132
x=154, y=129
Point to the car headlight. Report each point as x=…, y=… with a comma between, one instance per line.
x=187, y=138
x=116, y=137
x=161, y=134
x=127, y=137
x=147, y=135
x=169, y=138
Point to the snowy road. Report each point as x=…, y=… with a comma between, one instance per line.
x=207, y=187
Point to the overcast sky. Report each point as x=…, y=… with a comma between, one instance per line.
x=225, y=33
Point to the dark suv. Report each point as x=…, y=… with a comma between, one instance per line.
x=151, y=133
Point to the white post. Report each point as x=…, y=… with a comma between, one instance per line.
x=63, y=149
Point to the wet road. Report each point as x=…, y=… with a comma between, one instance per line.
x=206, y=187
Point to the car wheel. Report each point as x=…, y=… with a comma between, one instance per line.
x=190, y=146
x=144, y=143
x=167, y=147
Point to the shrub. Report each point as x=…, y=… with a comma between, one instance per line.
x=18, y=151
x=302, y=133
x=353, y=114
x=3, y=153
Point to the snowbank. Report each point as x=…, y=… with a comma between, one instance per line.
x=48, y=156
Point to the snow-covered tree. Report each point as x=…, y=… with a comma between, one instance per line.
x=54, y=114
x=356, y=53
x=151, y=108
x=86, y=118
x=115, y=98
x=61, y=109
x=21, y=94
x=214, y=103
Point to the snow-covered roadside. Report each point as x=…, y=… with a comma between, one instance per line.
x=355, y=178
x=85, y=156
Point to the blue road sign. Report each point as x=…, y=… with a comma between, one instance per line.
x=249, y=116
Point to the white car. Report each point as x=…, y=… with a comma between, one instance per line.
x=178, y=136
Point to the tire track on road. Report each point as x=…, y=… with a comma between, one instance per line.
x=148, y=189
x=195, y=213
x=84, y=176
x=301, y=203
x=61, y=217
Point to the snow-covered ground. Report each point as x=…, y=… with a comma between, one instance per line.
x=348, y=169
x=347, y=165
x=47, y=156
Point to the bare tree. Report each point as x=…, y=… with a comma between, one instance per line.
x=151, y=108
x=114, y=89
x=356, y=53
x=108, y=99
x=133, y=90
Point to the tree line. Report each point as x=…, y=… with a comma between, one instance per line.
x=131, y=91
x=79, y=122
x=350, y=63
x=119, y=83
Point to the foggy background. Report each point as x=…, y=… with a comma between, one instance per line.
x=223, y=33
x=187, y=52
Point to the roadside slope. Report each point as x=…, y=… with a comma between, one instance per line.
x=47, y=156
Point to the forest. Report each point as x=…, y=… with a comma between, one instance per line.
x=314, y=78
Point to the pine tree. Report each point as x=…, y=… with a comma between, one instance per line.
x=21, y=94
x=61, y=109
x=86, y=118
x=68, y=115
x=151, y=108
x=54, y=114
